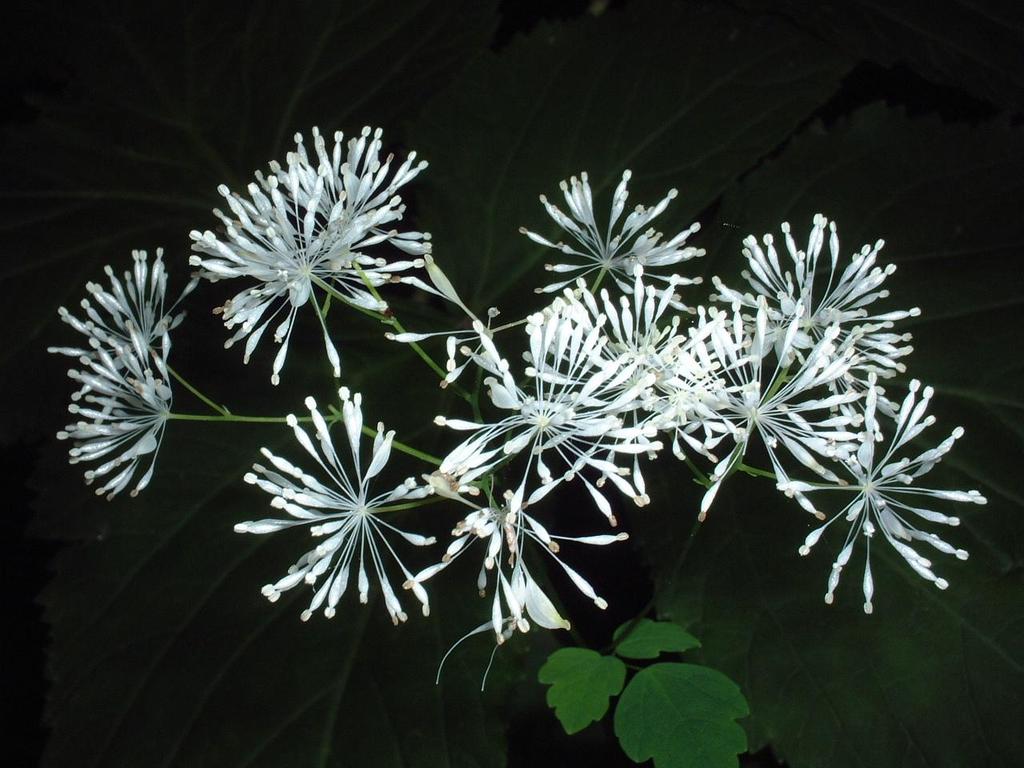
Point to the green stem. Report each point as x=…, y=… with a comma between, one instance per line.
x=776, y=385
x=394, y=323
x=231, y=417
x=734, y=465
x=388, y=320
x=755, y=471
x=184, y=382
x=408, y=449
x=598, y=279
x=345, y=300
x=475, y=399
x=441, y=372
x=489, y=491
x=321, y=314
x=334, y=417
x=698, y=475
x=409, y=504
x=513, y=324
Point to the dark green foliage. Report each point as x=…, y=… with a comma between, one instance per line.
x=682, y=715
x=932, y=678
x=685, y=96
x=162, y=651
x=165, y=104
x=968, y=45
x=165, y=653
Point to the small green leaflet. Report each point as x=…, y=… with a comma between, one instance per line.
x=582, y=681
x=647, y=639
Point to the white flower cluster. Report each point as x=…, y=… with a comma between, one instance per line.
x=587, y=389
x=124, y=397
x=613, y=376
x=310, y=225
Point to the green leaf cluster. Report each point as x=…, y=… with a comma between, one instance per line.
x=681, y=715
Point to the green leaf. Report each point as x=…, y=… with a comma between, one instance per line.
x=582, y=681
x=683, y=94
x=683, y=716
x=931, y=678
x=164, y=103
x=647, y=639
x=976, y=47
x=164, y=653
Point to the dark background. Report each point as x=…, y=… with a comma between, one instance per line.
x=34, y=65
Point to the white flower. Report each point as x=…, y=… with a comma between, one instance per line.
x=306, y=225
x=643, y=336
x=683, y=371
x=616, y=251
x=884, y=497
x=820, y=296
x=459, y=341
x=692, y=391
x=341, y=511
x=518, y=599
x=575, y=409
x=122, y=407
x=635, y=323
x=124, y=399
x=132, y=313
x=441, y=286
x=778, y=407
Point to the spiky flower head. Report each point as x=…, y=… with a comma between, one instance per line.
x=819, y=292
x=122, y=407
x=342, y=512
x=612, y=250
x=568, y=417
x=310, y=226
x=885, y=499
x=132, y=312
x=505, y=529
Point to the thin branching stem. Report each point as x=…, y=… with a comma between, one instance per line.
x=333, y=418
x=187, y=385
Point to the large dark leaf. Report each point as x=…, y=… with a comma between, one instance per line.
x=685, y=96
x=932, y=678
x=165, y=654
x=165, y=102
x=977, y=47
